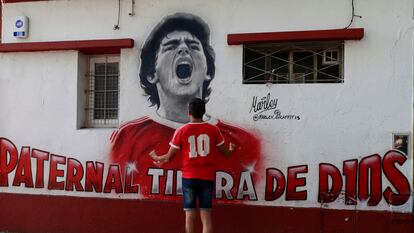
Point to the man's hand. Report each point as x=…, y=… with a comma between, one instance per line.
x=153, y=155
x=227, y=152
x=163, y=158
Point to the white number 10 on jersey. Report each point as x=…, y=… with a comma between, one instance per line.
x=202, y=147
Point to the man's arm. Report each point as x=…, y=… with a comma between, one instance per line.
x=226, y=152
x=164, y=158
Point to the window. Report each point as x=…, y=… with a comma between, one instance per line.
x=330, y=57
x=300, y=62
x=102, y=92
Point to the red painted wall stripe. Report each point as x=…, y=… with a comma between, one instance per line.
x=267, y=37
x=86, y=46
x=43, y=213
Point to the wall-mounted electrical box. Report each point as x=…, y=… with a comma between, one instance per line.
x=21, y=27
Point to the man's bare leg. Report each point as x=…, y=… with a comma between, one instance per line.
x=207, y=221
x=190, y=218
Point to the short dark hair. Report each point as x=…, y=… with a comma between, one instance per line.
x=175, y=22
x=197, y=108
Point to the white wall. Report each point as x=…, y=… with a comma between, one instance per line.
x=38, y=93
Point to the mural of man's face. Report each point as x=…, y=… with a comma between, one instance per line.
x=181, y=66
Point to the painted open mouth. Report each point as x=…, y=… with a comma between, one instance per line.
x=183, y=70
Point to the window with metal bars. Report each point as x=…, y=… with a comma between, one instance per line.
x=299, y=62
x=102, y=92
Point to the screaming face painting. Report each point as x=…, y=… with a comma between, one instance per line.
x=177, y=64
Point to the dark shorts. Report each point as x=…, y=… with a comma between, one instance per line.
x=195, y=189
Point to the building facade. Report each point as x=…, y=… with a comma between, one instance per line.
x=316, y=95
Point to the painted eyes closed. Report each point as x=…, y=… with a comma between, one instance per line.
x=195, y=47
x=169, y=47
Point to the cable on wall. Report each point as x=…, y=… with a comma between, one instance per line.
x=1, y=19
x=132, y=13
x=116, y=26
x=353, y=15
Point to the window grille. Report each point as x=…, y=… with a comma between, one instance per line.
x=102, y=92
x=301, y=62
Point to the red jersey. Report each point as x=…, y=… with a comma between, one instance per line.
x=198, y=144
x=133, y=141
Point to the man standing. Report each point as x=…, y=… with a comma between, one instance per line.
x=198, y=142
x=177, y=64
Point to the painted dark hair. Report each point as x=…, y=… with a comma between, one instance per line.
x=175, y=22
x=197, y=108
